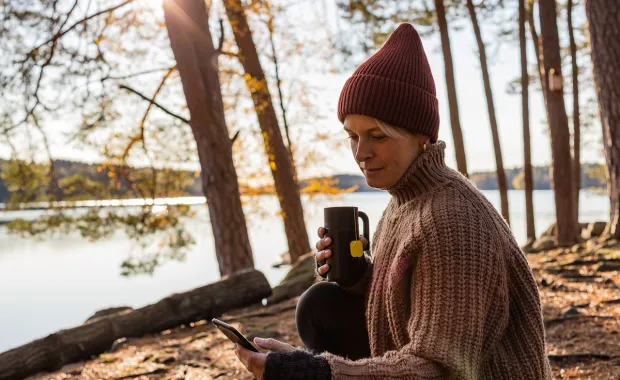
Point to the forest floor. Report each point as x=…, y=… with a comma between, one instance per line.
x=579, y=287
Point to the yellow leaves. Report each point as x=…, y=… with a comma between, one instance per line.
x=255, y=85
x=322, y=136
x=321, y=186
x=272, y=165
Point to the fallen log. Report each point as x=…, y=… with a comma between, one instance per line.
x=97, y=336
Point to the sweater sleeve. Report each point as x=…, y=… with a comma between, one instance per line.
x=458, y=305
x=295, y=365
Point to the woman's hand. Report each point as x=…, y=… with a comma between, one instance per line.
x=323, y=253
x=254, y=361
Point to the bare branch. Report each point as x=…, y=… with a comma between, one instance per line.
x=137, y=74
x=229, y=54
x=141, y=136
x=155, y=104
x=221, y=41
x=53, y=187
x=152, y=101
x=234, y=138
x=274, y=57
x=61, y=33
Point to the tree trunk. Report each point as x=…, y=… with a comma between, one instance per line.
x=537, y=50
x=96, y=336
x=499, y=162
x=196, y=56
x=287, y=187
x=527, y=155
x=455, y=123
x=561, y=168
x=576, y=126
x=604, y=24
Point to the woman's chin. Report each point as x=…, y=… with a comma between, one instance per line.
x=374, y=182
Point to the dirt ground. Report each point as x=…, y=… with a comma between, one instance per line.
x=580, y=293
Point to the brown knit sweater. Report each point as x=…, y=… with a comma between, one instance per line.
x=449, y=294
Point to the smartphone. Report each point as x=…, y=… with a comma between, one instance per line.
x=234, y=335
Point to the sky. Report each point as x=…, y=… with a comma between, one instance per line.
x=505, y=67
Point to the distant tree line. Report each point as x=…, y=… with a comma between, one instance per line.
x=91, y=182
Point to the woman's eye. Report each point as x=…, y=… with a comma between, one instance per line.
x=378, y=138
x=351, y=137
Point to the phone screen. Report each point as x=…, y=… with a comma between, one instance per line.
x=234, y=335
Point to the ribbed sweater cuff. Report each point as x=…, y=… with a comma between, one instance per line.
x=296, y=365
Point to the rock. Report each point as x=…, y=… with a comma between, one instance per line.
x=550, y=231
x=527, y=248
x=297, y=280
x=119, y=343
x=544, y=243
x=569, y=312
x=166, y=359
x=109, y=311
x=609, y=266
x=593, y=230
x=577, y=248
x=285, y=259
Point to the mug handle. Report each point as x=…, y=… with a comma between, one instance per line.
x=364, y=217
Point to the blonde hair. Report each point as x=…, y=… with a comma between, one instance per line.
x=390, y=130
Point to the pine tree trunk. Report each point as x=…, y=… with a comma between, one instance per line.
x=455, y=123
x=190, y=39
x=604, y=24
x=561, y=168
x=576, y=126
x=287, y=187
x=537, y=50
x=527, y=156
x=499, y=162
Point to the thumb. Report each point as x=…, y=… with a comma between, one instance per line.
x=273, y=345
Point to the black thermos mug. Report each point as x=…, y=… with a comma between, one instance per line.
x=341, y=224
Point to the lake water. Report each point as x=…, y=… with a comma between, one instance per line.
x=59, y=282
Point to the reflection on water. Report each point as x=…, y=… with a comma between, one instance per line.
x=59, y=282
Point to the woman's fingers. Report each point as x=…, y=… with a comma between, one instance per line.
x=253, y=362
x=323, y=269
x=322, y=255
x=274, y=345
x=323, y=243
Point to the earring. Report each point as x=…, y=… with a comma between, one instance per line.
x=424, y=148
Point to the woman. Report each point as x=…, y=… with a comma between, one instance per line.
x=448, y=294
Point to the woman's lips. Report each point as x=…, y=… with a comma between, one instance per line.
x=372, y=171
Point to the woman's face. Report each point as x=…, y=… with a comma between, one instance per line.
x=383, y=159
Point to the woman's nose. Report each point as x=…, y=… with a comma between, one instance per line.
x=363, y=151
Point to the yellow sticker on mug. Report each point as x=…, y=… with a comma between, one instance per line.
x=357, y=248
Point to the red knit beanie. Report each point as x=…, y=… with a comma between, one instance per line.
x=395, y=85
